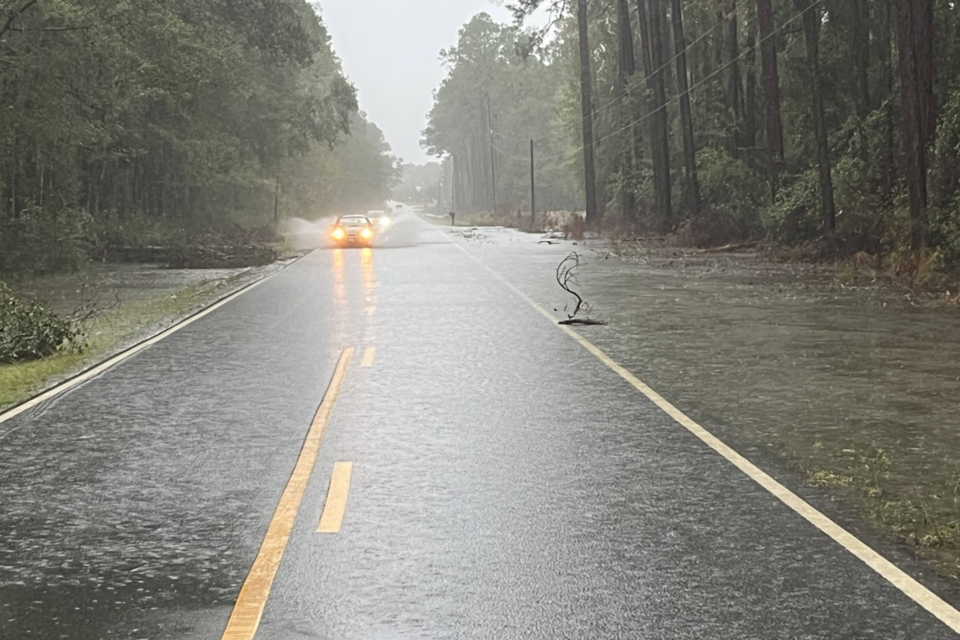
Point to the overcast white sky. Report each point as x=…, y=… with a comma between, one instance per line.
x=390, y=50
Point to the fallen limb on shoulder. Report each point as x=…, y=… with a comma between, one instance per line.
x=730, y=248
x=582, y=322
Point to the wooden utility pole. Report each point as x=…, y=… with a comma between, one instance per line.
x=493, y=160
x=453, y=186
x=440, y=189
x=533, y=191
x=276, y=203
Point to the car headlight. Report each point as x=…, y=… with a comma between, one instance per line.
x=385, y=222
x=338, y=234
x=366, y=234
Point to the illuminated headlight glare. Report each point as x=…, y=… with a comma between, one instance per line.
x=366, y=234
x=338, y=234
x=385, y=222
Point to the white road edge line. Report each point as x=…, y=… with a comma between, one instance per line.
x=930, y=601
x=96, y=370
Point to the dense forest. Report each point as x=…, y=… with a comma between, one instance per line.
x=123, y=120
x=833, y=124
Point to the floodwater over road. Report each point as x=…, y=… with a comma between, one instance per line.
x=392, y=443
x=845, y=377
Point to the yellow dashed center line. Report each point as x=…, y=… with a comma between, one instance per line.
x=336, y=505
x=368, y=357
x=248, y=610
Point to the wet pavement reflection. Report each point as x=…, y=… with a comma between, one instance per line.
x=505, y=483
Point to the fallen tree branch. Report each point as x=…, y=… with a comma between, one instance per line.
x=729, y=248
x=643, y=239
x=567, y=277
x=588, y=322
x=49, y=29
x=90, y=305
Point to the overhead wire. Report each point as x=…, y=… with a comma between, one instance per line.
x=669, y=62
x=704, y=80
x=676, y=98
x=508, y=155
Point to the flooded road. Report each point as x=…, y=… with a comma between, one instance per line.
x=503, y=482
x=846, y=378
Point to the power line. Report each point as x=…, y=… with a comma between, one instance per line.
x=709, y=77
x=669, y=62
x=679, y=95
x=685, y=50
x=509, y=156
x=511, y=135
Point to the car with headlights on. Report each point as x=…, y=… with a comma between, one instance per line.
x=353, y=231
x=380, y=219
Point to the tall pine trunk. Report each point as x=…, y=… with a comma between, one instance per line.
x=884, y=99
x=586, y=106
x=811, y=36
x=626, y=68
x=861, y=55
x=691, y=185
x=733, y=76
x=915, y=38
x=771, y=85
x=750, y=96
x=652, y=20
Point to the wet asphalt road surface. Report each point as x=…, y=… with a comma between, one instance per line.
x=505, y=483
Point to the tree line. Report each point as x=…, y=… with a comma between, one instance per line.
x=829, y=122
x=181, y=113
